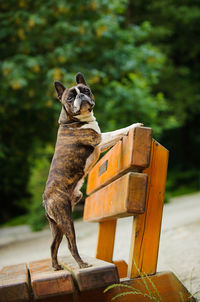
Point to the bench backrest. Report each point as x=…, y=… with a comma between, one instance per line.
x=129, y=180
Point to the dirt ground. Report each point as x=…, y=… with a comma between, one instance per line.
x=179, y=244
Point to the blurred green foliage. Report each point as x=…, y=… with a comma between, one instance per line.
x=134, y=55
x=36, y=186
x=175, y=30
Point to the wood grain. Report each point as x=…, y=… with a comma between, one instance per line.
x=14, y=285
x=47, y=283
x=100, y=273
x=123, y=197
x=146, y=227
x=132, y=153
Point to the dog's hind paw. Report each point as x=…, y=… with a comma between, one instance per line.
x=84, y=265
x=57, y=267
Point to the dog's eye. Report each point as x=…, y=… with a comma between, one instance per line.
x=86, y=91
x=70, y=96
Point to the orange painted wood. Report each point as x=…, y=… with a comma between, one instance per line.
x=122, y=268
x=99, y=274
x=123, y=197
x=14, y=285
x=106, y=240
x=132, y=153
x=146, y=227
x=47, y=283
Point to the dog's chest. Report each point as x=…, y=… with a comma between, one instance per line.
x=69, y=138
x=75, y=146
x=74, y=153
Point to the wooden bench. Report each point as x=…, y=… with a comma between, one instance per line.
x=129, y=180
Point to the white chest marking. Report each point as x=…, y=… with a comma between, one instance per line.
x=90, y=120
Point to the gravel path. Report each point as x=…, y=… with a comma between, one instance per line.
x=179, y=245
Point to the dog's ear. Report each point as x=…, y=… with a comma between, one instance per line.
x=60, y=88
x=80, y=79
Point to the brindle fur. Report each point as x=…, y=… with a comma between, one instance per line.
x=73, y=147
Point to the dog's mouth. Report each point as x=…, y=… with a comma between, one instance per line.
x=83, y=107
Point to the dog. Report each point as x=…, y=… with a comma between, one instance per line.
x=78, y=147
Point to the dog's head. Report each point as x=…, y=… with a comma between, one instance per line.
x=77, y=100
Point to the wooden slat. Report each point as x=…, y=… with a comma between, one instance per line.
x=146, y=227
x=106, y=240
x=14, y=285
x=123, y=197
x=100, y=273
x=47, y=283
x=132, y=153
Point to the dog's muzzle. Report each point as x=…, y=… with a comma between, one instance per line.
x=82, y=101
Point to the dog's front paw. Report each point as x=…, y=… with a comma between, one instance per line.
x=137, y=125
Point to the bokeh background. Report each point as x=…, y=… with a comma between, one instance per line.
x=141, y=59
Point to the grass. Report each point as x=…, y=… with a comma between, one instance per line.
x=152, y=292
x=152, y=295
x=134, y=291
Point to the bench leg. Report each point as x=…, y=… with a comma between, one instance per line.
x=106, y=239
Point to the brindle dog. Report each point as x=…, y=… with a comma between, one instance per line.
x=78, y=146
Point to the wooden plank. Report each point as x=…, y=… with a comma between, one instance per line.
x=123, y=197
x=100, y=273
x=106, y=240
x=47, y=283
x=14, y=283
x=132, y=153
x=146, y=227
x=170, y=289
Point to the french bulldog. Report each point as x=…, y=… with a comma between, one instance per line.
x=79, y=144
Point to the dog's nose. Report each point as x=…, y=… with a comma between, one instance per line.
x=81, y=96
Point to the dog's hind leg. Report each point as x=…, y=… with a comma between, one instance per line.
x=71, y=238
x=61, y=222
x=57, y=235
x=67, y=226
